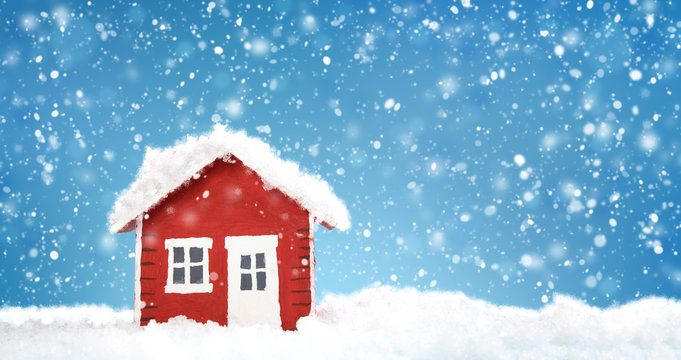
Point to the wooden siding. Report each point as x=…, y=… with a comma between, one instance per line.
x=237, y=204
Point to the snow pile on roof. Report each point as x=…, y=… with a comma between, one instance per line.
x=163, y=170
x=378, y=323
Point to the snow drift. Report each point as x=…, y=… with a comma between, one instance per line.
x=374, y=323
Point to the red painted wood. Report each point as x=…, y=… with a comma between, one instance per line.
x=237, y=205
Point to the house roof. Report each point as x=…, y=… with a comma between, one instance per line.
x=164, y=170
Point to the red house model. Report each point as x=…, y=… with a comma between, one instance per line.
x=225, y=232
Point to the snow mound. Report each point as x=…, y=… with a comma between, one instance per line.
x=164, y=170
x=376, y=323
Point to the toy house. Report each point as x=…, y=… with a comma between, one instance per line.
x=224, y=232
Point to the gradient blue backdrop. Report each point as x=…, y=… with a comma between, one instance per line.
x=510, y=151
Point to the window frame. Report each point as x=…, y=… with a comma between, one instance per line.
x=253, y=270
x=187, y=287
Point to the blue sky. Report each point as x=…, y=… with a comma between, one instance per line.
x=509, y=151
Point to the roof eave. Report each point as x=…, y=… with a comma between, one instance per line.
x=327, y=225
x=130, y=226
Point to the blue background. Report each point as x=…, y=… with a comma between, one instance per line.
x=417, y=119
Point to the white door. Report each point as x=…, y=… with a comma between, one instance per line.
x=252, y=280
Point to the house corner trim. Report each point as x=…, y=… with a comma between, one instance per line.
x=137, y=309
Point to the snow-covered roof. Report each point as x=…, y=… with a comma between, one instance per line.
x=164, y=170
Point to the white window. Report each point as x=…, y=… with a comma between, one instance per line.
x=188, y=265
x=253, y=270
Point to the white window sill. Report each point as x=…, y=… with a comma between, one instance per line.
x=189, y=288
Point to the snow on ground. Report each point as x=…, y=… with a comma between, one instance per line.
x=374, y=323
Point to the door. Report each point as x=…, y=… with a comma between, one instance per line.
x=252, y=280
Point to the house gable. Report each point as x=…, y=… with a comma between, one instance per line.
x=228, y=195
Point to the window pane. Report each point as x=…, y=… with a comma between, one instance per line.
x=196, y=274
x=246, y=282
x=178, y=275
x=195, y=254
x=260, y=261
x=260, y=277
x=245, y=261
x=178, y=255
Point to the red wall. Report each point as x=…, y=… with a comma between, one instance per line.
x=237, y=205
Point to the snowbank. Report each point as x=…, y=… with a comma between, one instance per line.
x=375, y=323
x=163, y=170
